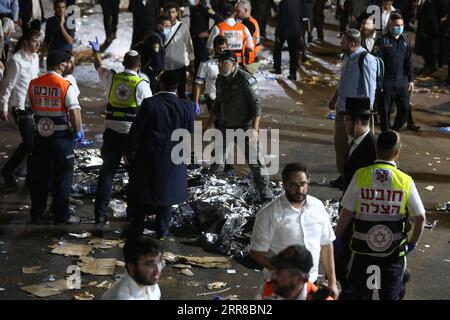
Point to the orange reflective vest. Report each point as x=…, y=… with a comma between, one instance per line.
x=250, y=56
x=47, y=94
x=236, y=38
x=310, y=290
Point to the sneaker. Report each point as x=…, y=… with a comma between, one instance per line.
x=73, y=220
x=413, y=127
x=338, y=183
x=292, y=77
x=275, y=71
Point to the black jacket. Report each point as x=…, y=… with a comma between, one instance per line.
x=26, y=9
x=363, y=156
x=290, y=15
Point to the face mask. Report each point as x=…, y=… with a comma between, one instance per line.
x=166, y=32
x=225, y=73
x=192, y=2
x=397, y=31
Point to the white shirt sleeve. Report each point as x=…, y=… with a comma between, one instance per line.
x=327, y=235
x=415, y=205
x=188, y=43
x=214, y=33
x=106, y=76
x=249, y=41
x=9, y=82
x=143, y=91
x=71, y=100
x=351, y=196
x=201, y=74
x=263, y=232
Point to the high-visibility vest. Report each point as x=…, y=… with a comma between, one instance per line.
x=381, y=215
x=122, y=102
x=310, y=290
x=47, y=94
x=236, y=38
x=250, y=56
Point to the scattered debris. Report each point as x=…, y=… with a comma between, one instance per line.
x=71, y=249
x=213, y=292
x=148, y=232
x=232, y=297
x=429, y=188
x=50, y=278
x=216, y=285
x=46, y=289
x=231, y=271
x=431, y=225
x=187, y=272
x=427, y=246
x=182, y=266
x=192, y=283
x=105, y=285
x=80, y=235
x=32, y=270
x=447, y=260
x=84, y=296
x=99, y=243
x=97, y=267
x=2, y=289
x=120, y=264
x=204, y=262
x=118, y=208
x=443, y=206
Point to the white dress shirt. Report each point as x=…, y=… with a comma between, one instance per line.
x=207, y=74
x=128, y=289
x=351, y=196
x=73, y=82
x=356, y=142
x=36, y=10
x=143, y=91
x=385, y=18
x=179, y=48
x=280, y=225
x=216, y=31
x=21, y=68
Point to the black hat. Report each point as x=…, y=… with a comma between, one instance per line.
x=293, y=257
x=56, y=57
x=227, y=55
x=227, y=10
x=357, y=106
x=387, y=140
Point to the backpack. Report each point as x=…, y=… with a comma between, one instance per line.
x=380, y=68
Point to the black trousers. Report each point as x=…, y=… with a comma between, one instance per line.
x=394, y=92
x=24, y=121
x=182, y=85
x=110, y=10
x=114, y=147
x=319, y=23
x=136, y=214
x=294, y=48
x=343, y=22
x=391, y=268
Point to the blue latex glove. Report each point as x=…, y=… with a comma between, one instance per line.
x=409, y=248
x=95, y=45
x=78, y=136
x=198, y=110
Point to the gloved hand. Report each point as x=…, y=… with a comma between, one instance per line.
x=409, y=247
x=198, y=110
x=95, y=45
x=79, y=135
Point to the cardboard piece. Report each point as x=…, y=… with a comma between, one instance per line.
x=48, y=289
x=97, y=267
x=71, y=249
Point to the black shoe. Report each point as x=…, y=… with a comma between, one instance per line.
x=413, y=127
x=21, y=173
x=338, y=183
x=76, y=202
x=35, y=220
x=275, y=71
x=101, y=220
x=10, y=181
x=292, y=77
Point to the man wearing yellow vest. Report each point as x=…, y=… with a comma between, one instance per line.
x=237, y=35
x=289, y=279
x=243, y=10
x=381, y=199
x=126, y=91
x=57, y=117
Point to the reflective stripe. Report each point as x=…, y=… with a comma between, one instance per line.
x=379, y=217
x=61, y=127
x=50, y=114
x=363, y=236
x=121, y=114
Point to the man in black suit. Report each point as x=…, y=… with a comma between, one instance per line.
x=361, y=154
x=145, y=17
x=28, y=12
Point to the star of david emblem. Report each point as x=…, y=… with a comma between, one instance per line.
x=46, y=127
x=382, y=175
x=379, y=238
x=123, y=92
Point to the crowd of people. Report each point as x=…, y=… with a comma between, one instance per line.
x=220, y=48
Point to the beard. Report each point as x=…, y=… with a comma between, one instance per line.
x=296, y=197
x=368, y=32
x=142, y=280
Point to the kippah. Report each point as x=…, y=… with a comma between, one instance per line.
x=387, y=140
x=132, y=53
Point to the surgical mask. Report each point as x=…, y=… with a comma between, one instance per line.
x=166, y=32
x=397, y=31
x=225, y=74
x=192, y=2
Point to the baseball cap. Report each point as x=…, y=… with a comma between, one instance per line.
x=293, y=257
x=227, y=55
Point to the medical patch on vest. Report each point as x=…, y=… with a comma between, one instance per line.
x=379, y=238
x=235, y=39
x=46, y=127
x=156, y=47
x=382, y=175
x=123, y=92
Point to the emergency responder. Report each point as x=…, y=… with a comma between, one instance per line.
x=126, y=91
x=152, y=51
x=237, y=34
x=395, y=51
x=243, y=12
x=58, y=121
x=289, y=279
x=238, y=106
x=380, y=199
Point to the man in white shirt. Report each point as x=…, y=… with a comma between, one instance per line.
x=68, y=75
x=143, y=260
x=388, y=8
x=295, y=218
x=22, y=67
x=126, y=91
x=179, y=48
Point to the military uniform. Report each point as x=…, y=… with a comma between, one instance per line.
x=397, y=58
x=237, y=103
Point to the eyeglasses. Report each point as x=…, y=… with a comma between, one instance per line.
x=155, y=264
